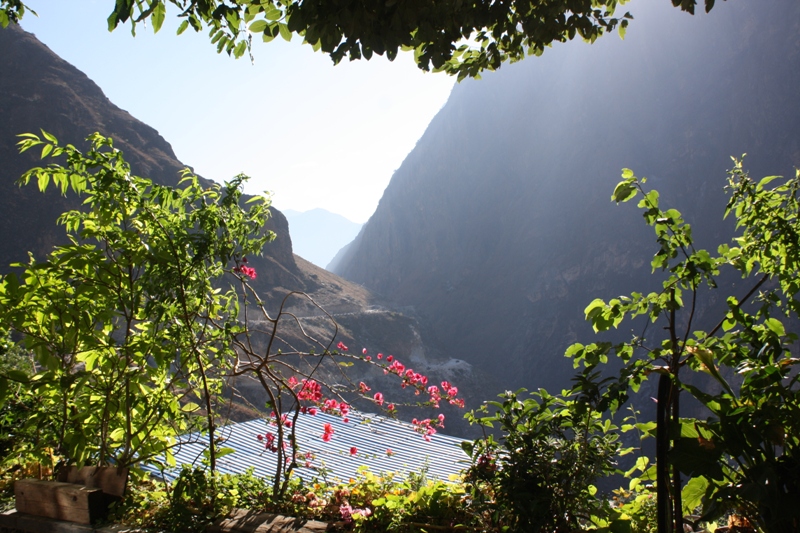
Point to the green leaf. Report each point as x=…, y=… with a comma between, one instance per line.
x=159, y=13
x=623, y=29
x=190, y=407
x=694, y=459
x=468, y=447
x=596, y=307
x=766, y=181
x=43, y=180
x=273, y=13
x=18, y=376
x=258, y=26
x=240, y=49
x=285, y=33
x=707, y=358
x=775, y=326
x=182, y=27
x=623, y=192
x=222, y=452
x=692, y=494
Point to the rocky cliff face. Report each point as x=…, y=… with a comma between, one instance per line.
x=40, y=91
x=498, y=228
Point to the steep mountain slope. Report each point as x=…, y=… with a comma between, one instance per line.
x=318, y=234
x=498, y=228
x=38, y=90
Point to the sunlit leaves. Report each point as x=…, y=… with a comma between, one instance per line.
x=739, y=457
x=462, y=39
x=158, y=15
x=125, y=319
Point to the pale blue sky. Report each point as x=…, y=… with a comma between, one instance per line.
x=314, y=134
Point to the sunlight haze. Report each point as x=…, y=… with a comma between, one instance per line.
x=313, y=134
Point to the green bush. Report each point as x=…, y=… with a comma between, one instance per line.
x=540, y=475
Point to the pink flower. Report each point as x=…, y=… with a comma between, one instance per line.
x=389, y=452
x=353, y=450
x=441, y=418
x=364, y=351
x=389, y=359
x=378, y=398
x=380, y=356
x=250, y=272
x=390, y=407
x=368, y=358
x=341, y=346
x=327, y=432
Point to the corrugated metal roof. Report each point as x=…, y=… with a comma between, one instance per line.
x=371, y=434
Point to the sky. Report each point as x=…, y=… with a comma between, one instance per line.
x=312, y=134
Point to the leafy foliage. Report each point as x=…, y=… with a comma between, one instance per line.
x=461, y=38
x=540, y=476
x=367, y=503
x=133, y=336
x=740, y=460
x=125, y=322
x=743, y=457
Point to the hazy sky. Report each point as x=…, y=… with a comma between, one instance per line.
x=314, y=134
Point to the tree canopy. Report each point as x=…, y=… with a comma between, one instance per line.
x=460, y=37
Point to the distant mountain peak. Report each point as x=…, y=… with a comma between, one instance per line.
x=318, y=234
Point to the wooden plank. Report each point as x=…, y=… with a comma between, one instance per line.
x=110, y=479
x=241, y=521
x=61, y=501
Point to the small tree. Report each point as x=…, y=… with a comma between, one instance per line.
x=743, y=457
x=125, y=321
x=540, y=476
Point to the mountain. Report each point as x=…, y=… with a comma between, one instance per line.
x=497, y=228
x=38, y=90
x=318, y=234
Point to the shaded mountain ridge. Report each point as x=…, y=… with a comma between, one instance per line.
x=497, y=228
